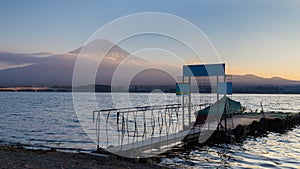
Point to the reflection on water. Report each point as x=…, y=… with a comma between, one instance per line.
x=275, y=150
x=49, y=119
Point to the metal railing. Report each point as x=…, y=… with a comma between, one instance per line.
x=144, y=129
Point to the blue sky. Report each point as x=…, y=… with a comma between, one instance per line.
x=260, y=37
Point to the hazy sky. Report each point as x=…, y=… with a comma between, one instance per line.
x=260, y=37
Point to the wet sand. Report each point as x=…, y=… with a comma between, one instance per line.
x=18, y=157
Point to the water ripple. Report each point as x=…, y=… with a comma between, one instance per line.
x=48, y=119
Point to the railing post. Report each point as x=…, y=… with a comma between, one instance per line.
x=189, y=103
x=183, y=104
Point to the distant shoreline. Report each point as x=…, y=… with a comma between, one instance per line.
x=122, y=92
x=254, y=89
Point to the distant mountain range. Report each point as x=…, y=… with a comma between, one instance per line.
x=253, y=80
x=47, y=69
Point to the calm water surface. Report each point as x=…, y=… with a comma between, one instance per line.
x=49, y=119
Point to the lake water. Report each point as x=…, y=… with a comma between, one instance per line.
x=49, y=119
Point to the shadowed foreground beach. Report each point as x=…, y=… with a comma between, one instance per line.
x=18, y=157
